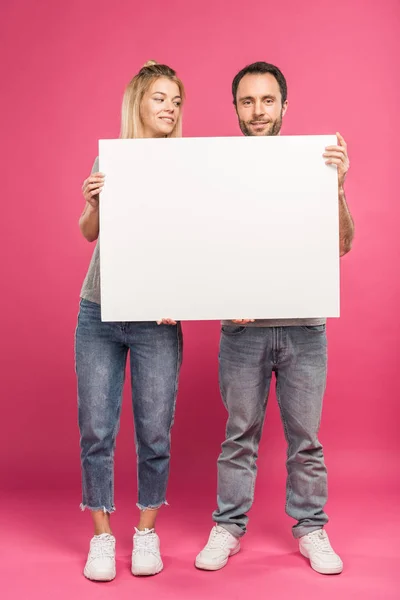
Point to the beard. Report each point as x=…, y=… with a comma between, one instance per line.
x=273, y=127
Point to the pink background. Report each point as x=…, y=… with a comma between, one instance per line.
x=64, y=69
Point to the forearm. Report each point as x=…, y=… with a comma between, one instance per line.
x=346, y=224
x=89, y=222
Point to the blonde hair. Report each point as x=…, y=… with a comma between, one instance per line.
x=130, y=118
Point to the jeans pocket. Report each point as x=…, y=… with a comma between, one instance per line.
x=314, y=328
x=88, y=303
x=88, y=311
x=233, y=329
x=89, y=307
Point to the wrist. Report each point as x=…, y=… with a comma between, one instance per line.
x=93, y=208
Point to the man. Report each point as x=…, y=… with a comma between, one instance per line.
x=296, y=351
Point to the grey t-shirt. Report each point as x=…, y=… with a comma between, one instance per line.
x=91, y=290
x=91, y=285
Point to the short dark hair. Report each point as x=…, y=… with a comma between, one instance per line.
x=259, y=68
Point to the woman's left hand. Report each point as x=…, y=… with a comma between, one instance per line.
x=166, y=322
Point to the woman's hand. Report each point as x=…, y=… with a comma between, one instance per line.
x=89, y=219
x=91, y=188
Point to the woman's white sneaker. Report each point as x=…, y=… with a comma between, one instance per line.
x=100, y=564
x=220, y=546
x=317, y=548
x=146, y=558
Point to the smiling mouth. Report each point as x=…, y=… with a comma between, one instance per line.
x=169, y=120
x=259, y=123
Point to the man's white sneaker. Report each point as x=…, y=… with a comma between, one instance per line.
x=220, y=546
x=100, y=565
x=146, y=559
x=317, y=548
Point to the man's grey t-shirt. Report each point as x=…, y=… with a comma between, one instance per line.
x=281, y=322
x=91, y=290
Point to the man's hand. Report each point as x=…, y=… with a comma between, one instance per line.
x=242, y=321
x=166, y=322
x=337, y=155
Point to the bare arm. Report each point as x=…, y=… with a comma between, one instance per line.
x=89, y=222
x=89, y=219
x=346, y=224
x=337, y=155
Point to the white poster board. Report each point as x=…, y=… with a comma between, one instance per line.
x=218, y=228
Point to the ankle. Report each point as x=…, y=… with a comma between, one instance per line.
x=101, y=522
x=100, y=530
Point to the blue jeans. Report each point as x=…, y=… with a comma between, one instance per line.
x=155, y=359
x=248, y=356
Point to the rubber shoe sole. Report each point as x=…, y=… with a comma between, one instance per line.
x=323, y=570
x=216, y=567
x=144, y=571
x=99, y=576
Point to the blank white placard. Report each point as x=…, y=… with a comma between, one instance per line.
x=218, y=228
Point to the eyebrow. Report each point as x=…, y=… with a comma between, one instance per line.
x=269, y=96
x=162, y=94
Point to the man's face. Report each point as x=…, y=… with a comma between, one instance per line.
x=259, y=105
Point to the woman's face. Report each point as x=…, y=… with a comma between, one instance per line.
x=160, y=108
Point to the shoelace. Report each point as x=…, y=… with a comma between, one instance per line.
x=102, y=547
x=218, y=538
x=146, y=543
x=321, y=542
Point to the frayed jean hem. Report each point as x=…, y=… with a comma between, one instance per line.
x=94, y=508
x=152, y=507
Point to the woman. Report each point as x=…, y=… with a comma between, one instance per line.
x=151, y=108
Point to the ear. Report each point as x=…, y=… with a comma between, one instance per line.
x=284, y=108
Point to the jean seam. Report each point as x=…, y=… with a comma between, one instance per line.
x=179, y=338
x=178, y=369
x=285, y=427
x=257, y=438
x=284, y=346
x=115, y=432
x=178, y=364
x=76, y=330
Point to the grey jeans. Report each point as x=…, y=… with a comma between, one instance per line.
x=248, y=357
x=155, y=355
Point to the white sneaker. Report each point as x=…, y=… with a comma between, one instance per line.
x=317, y=548
x=146, y=559
x=220, y=546
x=100, y=565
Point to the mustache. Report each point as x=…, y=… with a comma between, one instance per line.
x=273, y=126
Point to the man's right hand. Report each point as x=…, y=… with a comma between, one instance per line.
x=91, y=188
x=242, y=321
